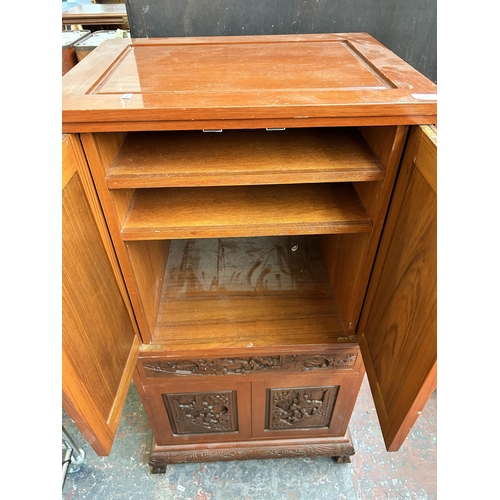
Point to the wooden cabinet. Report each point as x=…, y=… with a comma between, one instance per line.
x=258, y=205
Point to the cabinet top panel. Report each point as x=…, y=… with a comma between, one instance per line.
x=244, y=82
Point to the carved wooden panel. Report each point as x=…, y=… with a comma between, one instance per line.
x=339, y=448
x=201, y=413
x=303, y=407
x=160, y=368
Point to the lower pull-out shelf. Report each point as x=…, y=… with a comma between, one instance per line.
x=208, y=212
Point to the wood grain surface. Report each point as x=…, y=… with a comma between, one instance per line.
x=244, y=211
x=216, y=82
x=96, y=367
x=240, y=292
x=242, y=157
x=398, y=327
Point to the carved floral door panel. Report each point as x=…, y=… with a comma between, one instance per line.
x=319, y=404
x=198, y=410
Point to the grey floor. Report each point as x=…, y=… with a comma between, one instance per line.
x=411, y=473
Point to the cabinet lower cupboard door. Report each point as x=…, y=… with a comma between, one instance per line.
x=99, y=340
x=303, y=406
x=199, y=411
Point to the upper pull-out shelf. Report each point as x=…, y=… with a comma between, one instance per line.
x=242, y=157
x=244, y=82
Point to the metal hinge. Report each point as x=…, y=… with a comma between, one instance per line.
x=350, y=338
x=151, y=347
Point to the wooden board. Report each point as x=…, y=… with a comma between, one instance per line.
x=267, y=81
x=213, y=212
x=90, y=14
x=241, y=157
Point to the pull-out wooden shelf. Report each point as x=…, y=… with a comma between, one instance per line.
x=207, y=212
x=239, y=157
x=246, y=292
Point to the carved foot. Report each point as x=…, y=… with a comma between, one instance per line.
x=158, y=469
x=342, y=459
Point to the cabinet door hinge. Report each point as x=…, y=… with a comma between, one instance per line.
x=350, y=338
x=151, y=347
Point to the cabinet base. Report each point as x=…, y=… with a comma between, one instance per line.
x=339, y=448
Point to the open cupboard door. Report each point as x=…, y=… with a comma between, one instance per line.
x=398, y=327
x=100, y=342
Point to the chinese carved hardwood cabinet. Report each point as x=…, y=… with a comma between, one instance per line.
x=271, y=204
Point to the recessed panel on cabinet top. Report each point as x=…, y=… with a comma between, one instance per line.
x=155, y=69
x=172, y=83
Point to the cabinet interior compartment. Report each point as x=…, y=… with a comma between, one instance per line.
x=238, y=292
x=163, y=188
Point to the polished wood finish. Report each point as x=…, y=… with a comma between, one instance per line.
x=244, y=82
x=99, y=340
x=92, y=14
x=406, y=28
x=244, y=211
x=148, y=261
x=267, y=404
x=242, y=157
x=247, y=325
x=101, y=149
x=398, y=328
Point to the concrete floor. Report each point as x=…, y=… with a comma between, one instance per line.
x=374, y=474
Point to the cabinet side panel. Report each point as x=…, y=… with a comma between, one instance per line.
x=349, y=257
x=399, y=322
x=148, y=260
x=100, y=150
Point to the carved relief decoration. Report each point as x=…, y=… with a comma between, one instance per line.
x=201, y=413
x=158, y=368
x=302, y=407
x=257, y=452
x=336, y=361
